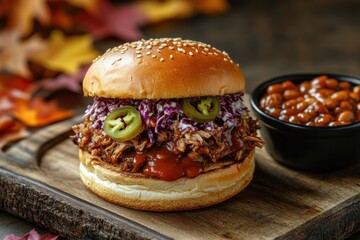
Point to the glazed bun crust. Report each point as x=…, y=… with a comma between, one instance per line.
x=163, y=68
x=143, y=193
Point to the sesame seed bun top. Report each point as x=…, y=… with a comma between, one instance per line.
x=163, y=68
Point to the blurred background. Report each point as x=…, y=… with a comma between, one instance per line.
x=46, y=47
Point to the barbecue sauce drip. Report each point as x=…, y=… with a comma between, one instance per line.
x=167, y=165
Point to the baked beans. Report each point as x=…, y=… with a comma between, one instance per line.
x=321, y=101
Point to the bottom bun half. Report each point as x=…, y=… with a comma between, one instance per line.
x=144, y=193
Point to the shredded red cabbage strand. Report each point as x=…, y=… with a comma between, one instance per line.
x=164, y=112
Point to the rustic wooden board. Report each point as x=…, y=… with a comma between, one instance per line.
x=39, y=181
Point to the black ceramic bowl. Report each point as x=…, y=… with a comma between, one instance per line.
x=305, y=147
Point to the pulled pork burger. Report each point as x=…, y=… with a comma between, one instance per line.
x=168, y=129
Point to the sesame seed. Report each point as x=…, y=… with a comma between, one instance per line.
x=191, y=54
x=197, y=51
x=206, y=49
x=153, y=56
x=97, y=58
x=139, y=56
x=215, y=54
x=148, y=53
x=148, y=46
x=225, y=59
x=158, y=50
x=138, y=51
x=171, y=47
x=181, y=50
x=162, y=59
x=237, y=65
x=171, y=56
x=119, y=59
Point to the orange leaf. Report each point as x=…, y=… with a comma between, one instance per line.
x=211, y=7
x=8, y=81
x=37, y=112
x=59, y=17
x=12, y=89
x=11, y=130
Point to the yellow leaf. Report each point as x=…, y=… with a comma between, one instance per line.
x=157, y=11
x=23, y=12
x=66, y=54
x=14, y=52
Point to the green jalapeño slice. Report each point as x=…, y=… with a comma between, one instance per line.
x=203, y=110
x=123, y=124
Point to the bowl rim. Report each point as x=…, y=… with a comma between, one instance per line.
x=268, y=119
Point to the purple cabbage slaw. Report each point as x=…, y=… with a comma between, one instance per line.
x=164, y=112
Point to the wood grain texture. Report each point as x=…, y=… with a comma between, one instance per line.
x=64, y=214
x=279, y=203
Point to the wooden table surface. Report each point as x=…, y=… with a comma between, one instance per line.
x=267, y=39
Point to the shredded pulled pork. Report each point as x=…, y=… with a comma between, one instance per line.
x=229, y=143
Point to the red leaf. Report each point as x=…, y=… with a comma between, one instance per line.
x=32, y=235
x=11, y=130
x=13, y=88
x=71, y=82
x=11, y=81
x=121, y=21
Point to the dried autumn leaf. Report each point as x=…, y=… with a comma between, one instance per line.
x=60, y=18
x=66, y=54
x=70, y=82
x=9, y=101
x=121, y=21
x=37, y=112
x=89, y=5
x=163, y=10
x=211, y=7
x=32, y=235
x=22, y=13
x=6, y=104
x=11, y=130
x=5, y=7
x=14, y=52
x=13, y=88
x=62, y=12
x=8, y=81
x=12, y=136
